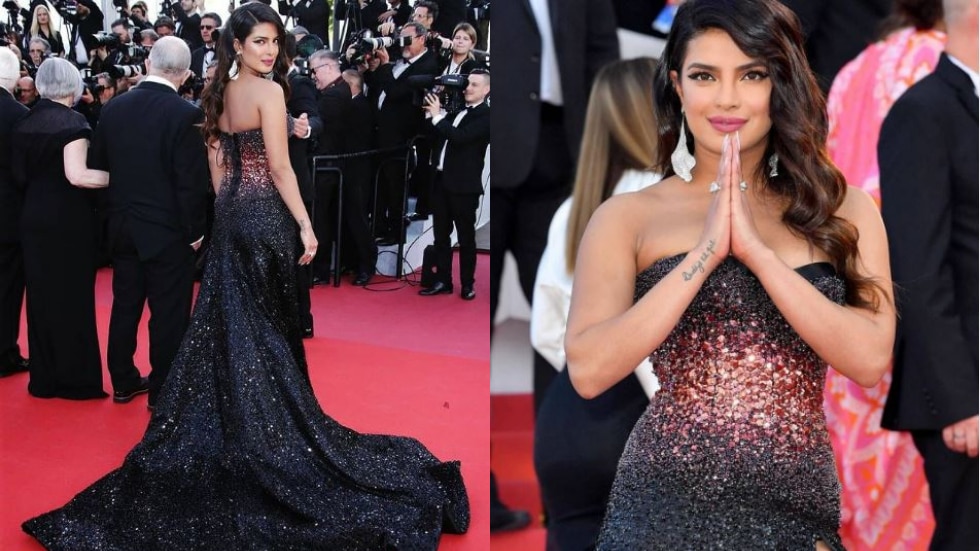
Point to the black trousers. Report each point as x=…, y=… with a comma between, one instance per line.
x=166, y=283
x=11, y=298
x=454, y=209
x=304, y=278
x=953, y=490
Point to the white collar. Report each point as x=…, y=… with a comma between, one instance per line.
x=974, y=76
x=159, y=80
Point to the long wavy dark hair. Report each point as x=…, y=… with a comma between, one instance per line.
x=239, y=25
x=809, y=182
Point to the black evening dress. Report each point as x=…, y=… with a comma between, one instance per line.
x=733, y=451
x=59, y=238
x=238, y=454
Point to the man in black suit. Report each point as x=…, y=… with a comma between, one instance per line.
x=547, y=53
x=302, y=107
x=538, y=139
x=451, y=13
x=188, y=23
x=313, y=15
x=928, y=157
x=157, y=209
x=11, y=259
x=84, y=24
x=399, y=120
x=458, y=183
x=358, y=180
x=203, y=56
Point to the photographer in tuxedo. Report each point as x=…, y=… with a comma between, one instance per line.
x=461, y=145
x=157, y=209
x=399, y=120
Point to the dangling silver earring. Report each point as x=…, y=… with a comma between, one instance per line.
x=681, y=159
x=773, y=165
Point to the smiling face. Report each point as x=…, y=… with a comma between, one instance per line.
x=259, y=50
x=722, y=91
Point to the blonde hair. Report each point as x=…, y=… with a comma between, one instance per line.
x=470, y=31
x=620, y=133
x=36, y=27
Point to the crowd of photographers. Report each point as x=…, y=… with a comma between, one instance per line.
x=370, y=96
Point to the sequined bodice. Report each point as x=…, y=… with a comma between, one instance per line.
x=246, y=165
x=733, y=450
x=734, y=362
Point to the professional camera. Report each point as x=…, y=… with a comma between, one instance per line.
x=193, y=85
x=449, y=88
x=111, y=41
x=121, y=6
x=12, y=12
x=91, y=82
x=169, y=7
x=126, y=71
x=364, y=43
x=67, y=8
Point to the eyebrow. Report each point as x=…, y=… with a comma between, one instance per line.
x=707, y=67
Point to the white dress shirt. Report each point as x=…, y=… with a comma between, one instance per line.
x=550, y=76
x=553, y=287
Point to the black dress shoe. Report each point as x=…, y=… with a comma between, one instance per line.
x=14, y=364
x=362, y=279
x=308, y=332
x=317, y=280
x=467, y=293
x=125, y=396
x=417, y=216
x=439, y=288
x=508, y=520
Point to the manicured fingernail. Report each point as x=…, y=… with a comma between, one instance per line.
x=724, y=147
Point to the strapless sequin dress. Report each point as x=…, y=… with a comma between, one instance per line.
x=733, y=451
x=238, y=454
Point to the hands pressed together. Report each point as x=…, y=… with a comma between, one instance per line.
x=730, y=228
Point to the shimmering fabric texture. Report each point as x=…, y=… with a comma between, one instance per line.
x=238, y=454
x=733, y=451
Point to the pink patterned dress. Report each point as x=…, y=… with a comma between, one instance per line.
x=885, y=497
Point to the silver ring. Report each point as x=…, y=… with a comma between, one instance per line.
x=714, y=187
x=742, y=186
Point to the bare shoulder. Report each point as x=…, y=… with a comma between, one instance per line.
x=266, y=91
x=858, y=207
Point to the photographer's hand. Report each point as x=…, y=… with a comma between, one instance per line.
x=432, y=105
x=381, y=56
x=386, y=28
x=301, y=127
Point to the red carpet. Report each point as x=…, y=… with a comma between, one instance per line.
x=512, y=437
x=382, y=362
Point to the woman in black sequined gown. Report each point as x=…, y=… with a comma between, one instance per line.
x=238, y=454
x=742, y=285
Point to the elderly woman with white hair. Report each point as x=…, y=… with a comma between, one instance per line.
x=59, y=237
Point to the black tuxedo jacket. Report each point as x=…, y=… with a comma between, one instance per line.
x=399, y=119
x=313, y=14
x=11, y=198
x=302, y=99
x=928, y=157
x=157, y=163
x=465, y=67
x=451, y=13
x=334, y=105
x=585, y=40
x=360, y=133
x=466, y=147
x=190, y=29
x=197, y=61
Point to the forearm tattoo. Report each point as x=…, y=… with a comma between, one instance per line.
x=698, y=266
